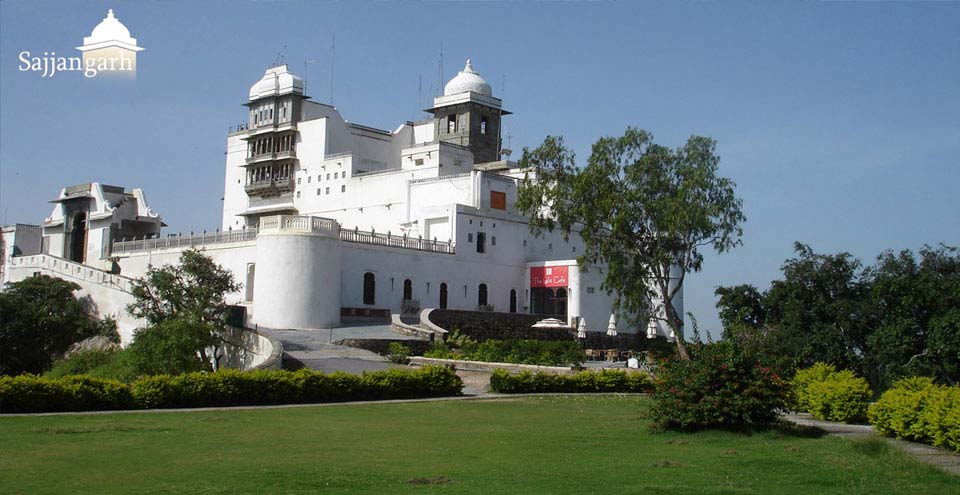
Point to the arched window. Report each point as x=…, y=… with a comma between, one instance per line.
x=443, y=295
x=513, y=301
x=78, y=238
x=369, y=288
x=482, y=295
x=407, y=290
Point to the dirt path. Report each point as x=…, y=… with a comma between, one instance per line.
x=942, y=458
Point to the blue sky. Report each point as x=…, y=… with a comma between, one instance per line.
x=840, y=122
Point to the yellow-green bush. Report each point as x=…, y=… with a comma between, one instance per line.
x=916, y=409
x=842, y=397
x=797, y=396
x=829, y=394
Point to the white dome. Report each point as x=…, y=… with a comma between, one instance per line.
x=109, y=29
x=276, y=81
x=467, y=80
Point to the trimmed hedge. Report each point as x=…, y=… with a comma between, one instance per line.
x=29, y=393
x=539, y=352
x=918, y=410
x=585, y=381
x=831, y=395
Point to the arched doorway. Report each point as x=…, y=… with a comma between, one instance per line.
x=513, y=300
x=78, y=237
x=407, y=290
x=482, y=295
x=369, y=288
x=443, y=295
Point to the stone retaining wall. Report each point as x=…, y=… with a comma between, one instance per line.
x=487, y=325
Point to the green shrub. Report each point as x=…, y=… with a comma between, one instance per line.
x=399, y=353
x=170, y=347
x=80, y=363
x=830, y=395
x=585, y=381
x=842, y=397
x=918, y=410
x=28, y=393
x=538, y=352
x=722, y=386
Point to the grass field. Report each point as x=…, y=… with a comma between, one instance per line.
x=574, y=444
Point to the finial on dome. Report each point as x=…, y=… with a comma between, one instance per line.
x=468, y=67
x=109, y=13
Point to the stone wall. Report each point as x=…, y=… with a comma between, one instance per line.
x=487, y=325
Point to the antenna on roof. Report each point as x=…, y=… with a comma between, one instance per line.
x=305, y=64
x=440, y=71
x=333, y=54
x=419, y=96
x=281, y=56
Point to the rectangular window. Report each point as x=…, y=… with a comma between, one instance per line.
x=483, y=125
x=451, y=123
x=308, y=179
x=328, y=191
x=493, y=241
x=298, y=180
x=328, y=176
x=343, y=189
x=318, y=177
x=418, y=161
x=470, y=237
x=481, y=247
x=335, y=175
x=318, y=191
x=498, y=200
x=298, y=194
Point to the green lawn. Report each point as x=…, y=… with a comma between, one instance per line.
x=574, y=444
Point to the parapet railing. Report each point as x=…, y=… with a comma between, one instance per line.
x=299, y=223
x=73, y=270
x=180, y=240
x=287, y=223
x=397, y=241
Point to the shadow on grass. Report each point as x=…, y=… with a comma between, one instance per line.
x=781, y=428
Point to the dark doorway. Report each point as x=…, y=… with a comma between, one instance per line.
x=369, y=288
x=443, y=295
x=549, y=301
x=513, y=301
x=407, y=290
x=78, y=237
x=482, y=295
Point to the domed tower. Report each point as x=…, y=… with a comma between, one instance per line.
x=275, y=108
x=469, y=115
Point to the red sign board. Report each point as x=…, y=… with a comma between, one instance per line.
x=548, y=276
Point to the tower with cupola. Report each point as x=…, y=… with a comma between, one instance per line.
x=468, y=115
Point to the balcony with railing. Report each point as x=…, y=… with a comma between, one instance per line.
x=270, y=156
x=269, y=187
x=184, y=241
x=285, y=224
x=397, y=241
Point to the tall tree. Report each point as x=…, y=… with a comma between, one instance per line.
x=644, y=211
x=193, y=291
x=40, y=317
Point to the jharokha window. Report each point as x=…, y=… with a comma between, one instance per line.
x=498, y=200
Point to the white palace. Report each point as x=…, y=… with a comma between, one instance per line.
x=324, y=218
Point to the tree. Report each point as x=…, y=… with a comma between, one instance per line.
x=193, y=291
x=644, y=210
x=894, y=319
x=40, y=318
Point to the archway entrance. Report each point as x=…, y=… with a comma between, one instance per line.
x=78, y=237
x=443, y=295
x=407, y=290
x=513, y=301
